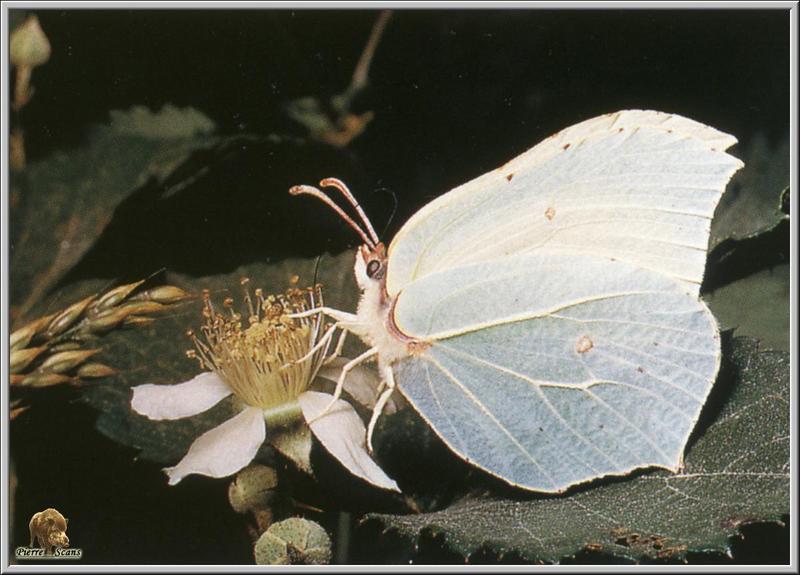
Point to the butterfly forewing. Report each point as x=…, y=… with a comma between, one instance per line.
x=637, y=186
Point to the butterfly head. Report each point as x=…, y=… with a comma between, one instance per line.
x=370, y=268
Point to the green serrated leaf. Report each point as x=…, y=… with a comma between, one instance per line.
x=156, y=353
x=749, y=207
x=63, y=202
x=736, y=258
x=736, y=472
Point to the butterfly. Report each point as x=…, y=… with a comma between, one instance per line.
x=544, y=318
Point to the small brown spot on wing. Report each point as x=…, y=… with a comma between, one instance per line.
x=584, y=344
x=565, y=147
x=509, y=177
x=621, y=130
x=550, y=213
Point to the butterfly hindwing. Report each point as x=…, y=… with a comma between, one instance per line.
x=545, y=380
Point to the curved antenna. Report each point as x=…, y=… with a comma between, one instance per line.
x=316, y=269
x=342, y=187
x=312, y=191
x=394, y=207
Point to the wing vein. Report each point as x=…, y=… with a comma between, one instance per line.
x=533, y=315
x=537, y=386
x=500, y=235
x=629, y=423
x=493, y=419
x=442, y=409
x=639, y=323
x=644, y=390
x=654, y=376
x=662, y=361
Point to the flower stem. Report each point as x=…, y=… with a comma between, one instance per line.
x=283, y=415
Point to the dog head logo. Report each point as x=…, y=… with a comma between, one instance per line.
x=49, y=530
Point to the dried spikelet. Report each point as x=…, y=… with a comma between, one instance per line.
x=67, y=318
x=49, y=350
x=23, y=336
x=162, y=294
x=22, y=358
x=123, y=314
x=95, y=370
x=16, y=407
x=65, y=361
x=45, y=379
x=135, y=320
x=65, y=346
x=143, y=308
x=105, y=321
x=116, y=296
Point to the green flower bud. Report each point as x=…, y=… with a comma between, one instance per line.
x=294, y=541
x=29, y=46
x=253, y=488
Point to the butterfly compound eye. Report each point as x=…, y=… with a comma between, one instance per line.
x=373, y=268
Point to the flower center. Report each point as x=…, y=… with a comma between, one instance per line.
x=264, y=357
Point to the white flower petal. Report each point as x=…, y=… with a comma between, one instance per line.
x=180, y=400
x=225, y=449
x=361, y=383
x=342, y=433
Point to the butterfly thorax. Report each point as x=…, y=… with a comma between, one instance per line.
x=375, y=324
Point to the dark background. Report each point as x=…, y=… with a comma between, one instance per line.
x=455, y=93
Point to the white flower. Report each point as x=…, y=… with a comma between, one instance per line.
x=268, y=366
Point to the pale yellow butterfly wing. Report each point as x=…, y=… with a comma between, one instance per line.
x=640, y=186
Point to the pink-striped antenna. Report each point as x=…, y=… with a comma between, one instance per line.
x=369, y=236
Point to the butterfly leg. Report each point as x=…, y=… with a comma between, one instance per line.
x=337, y=315
x=342, y=318
x=340, y=384
x=380, y=404
x=339, y=345
x=323, y=341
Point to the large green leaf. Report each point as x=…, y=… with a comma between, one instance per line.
x=736, y=472
x=62, y=203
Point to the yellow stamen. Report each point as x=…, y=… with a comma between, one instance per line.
x=258, y=358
